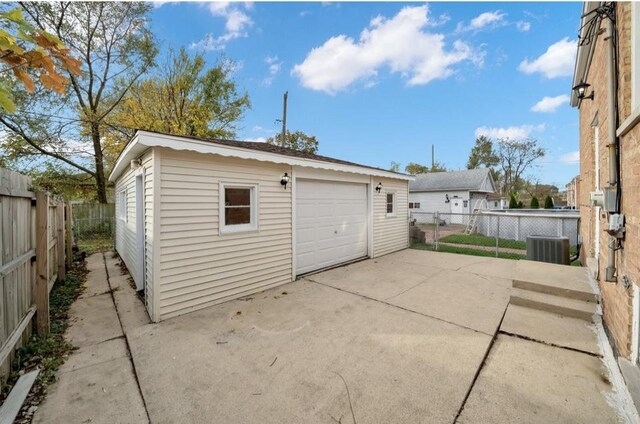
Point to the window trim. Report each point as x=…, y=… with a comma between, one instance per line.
x=123, y=205
x=253, y=209
x=394, y=203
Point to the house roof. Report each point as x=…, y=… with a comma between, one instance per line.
x=143, y=140
x=471, y=179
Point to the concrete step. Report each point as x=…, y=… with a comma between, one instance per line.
x=584, y=294
x=560, y=305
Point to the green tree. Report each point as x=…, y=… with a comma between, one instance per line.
x=534, y=203
x=437, y=167
x=515, y=158
x=297, y=140
x=548, y=202
x=394, y=167
x=513, y=203
x=413, y=168
x=482, y=154
x=184, y=98
x=115, y=45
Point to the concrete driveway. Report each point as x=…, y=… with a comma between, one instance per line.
x=412, y=337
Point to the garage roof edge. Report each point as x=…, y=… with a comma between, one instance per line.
x=143, y=140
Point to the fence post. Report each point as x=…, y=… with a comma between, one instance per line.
x=436, y=218
x=68, y=234
x=497, y=234
x=60, y=239
x=42, y=259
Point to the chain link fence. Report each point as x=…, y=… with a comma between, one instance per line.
x=94, y=226
x=501, y=234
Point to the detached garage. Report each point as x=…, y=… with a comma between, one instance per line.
x=204, y=221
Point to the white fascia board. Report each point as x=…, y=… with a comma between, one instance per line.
x=149, y=139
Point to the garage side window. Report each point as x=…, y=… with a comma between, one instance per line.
x=391, y=204
x=122, y=204
x=238, y=208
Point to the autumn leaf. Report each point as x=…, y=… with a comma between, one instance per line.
x=26, y=79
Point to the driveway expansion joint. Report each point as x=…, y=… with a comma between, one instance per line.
x=126, y=341
x=531, y=339
x=484, y=360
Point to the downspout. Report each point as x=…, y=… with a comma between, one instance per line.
x=612, y=125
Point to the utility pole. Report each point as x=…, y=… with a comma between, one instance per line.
x=284, y=119
x=433, y=157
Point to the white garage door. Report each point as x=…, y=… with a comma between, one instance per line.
x=331, y=223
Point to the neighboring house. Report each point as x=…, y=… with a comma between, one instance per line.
x=456, y=192
x=496, y=202
x=205, y=221
x=608, y=59
x=573, y=192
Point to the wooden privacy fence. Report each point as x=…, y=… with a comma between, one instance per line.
x=35, y=251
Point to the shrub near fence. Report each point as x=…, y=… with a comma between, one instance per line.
x=34, y=253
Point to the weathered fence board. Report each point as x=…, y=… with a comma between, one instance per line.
x=28, y=230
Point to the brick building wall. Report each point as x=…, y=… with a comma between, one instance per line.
x=617, y=299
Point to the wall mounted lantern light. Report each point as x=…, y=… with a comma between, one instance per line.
x=379, y=187
x=285, y=180
x=581, y=91
x=446, y=198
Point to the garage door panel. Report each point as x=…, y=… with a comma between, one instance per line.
x=331, y=223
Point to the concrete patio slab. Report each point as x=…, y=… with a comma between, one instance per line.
x=551, y=328
x=102, y=393
x=278, y=357
x=368, y=279
x=95, y=354
x=93, y=320
x=97, y=283
x=529, y=382
x=461, y=298
x=430, y=259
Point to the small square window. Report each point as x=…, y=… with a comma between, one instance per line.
x=416, y=205
x=465, y=203
x=238, y=208
x=410, y=205
x=391, y=204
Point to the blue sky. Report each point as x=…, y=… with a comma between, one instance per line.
x=382, y=82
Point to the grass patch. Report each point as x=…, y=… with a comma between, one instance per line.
x=467, y=251
x=48, y=352
x=95, y=243
x=480, y=240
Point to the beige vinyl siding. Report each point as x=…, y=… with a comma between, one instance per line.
x=390, y=233
x=126, y=231
x=148, y=162
x=198, y=266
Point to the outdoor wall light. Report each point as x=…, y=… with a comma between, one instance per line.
x=581, y=91
x=379, y=187
x=446, y=198
x=285, y=180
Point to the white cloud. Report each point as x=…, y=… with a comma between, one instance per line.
x=236, y=24
x=523, y=26
x=257, y=139
x=571, y=157
x=557, y=61
x=274, y=68
x=399, y=42
x=512, y=133
x=484, y=20
x=550, y=104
